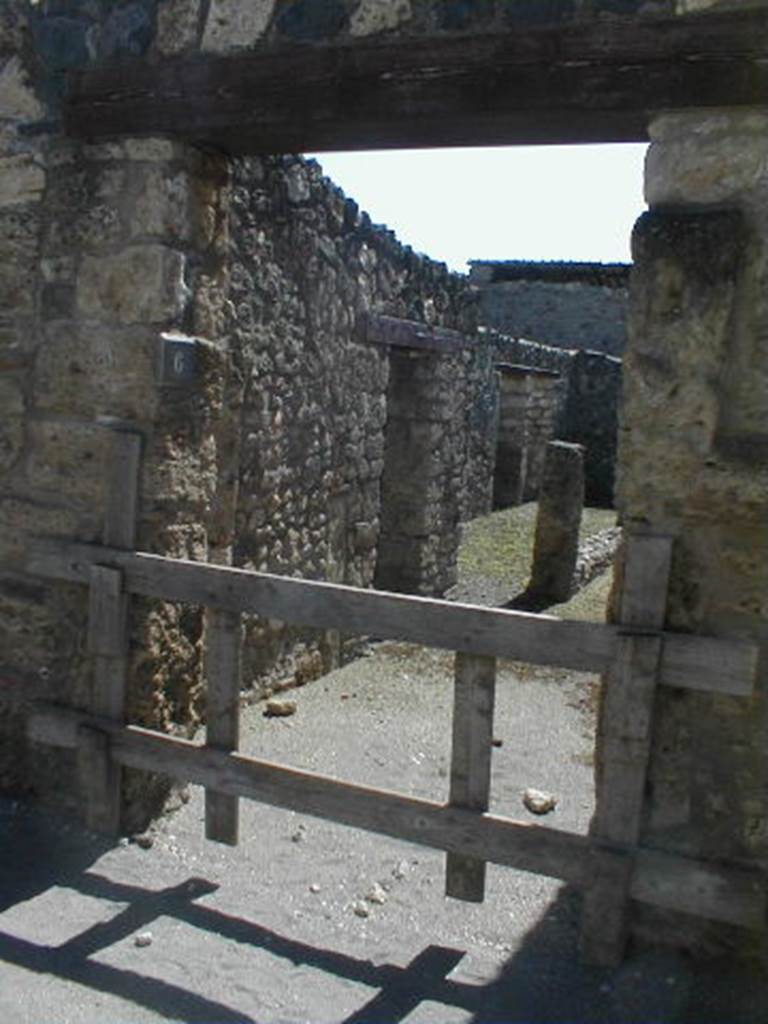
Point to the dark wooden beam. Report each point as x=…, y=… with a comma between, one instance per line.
x=592, y=82
x=378, y=329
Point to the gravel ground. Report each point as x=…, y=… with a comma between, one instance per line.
x=308, y=921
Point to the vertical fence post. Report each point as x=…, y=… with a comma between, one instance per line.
x=474, y=698
x=108, y=633
x=223, y=658
x=626, y=727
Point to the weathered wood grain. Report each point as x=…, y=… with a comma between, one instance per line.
x=589, y=81
x=107, y=609
x=223, y=650
x=122, y=495
x=473, y=706
x=700, y=663
x=108, y=617
x=98, y=776
x=452, y=829
x=626, y=726
x=678, y=883
x=713, y=891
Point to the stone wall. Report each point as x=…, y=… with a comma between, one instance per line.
x=693, y=464
x=530, y=404
x=569, y=305
x=342, y=440
x=271, y=454
x=589, y=417
x=110, y=246
x=586, y=404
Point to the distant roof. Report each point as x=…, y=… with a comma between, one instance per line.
x=606, y=275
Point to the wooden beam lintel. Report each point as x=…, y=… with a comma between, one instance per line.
x=597, y=81
x=380, y=329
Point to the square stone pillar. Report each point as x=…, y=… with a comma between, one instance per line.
x=421, y=482
x=693, y=462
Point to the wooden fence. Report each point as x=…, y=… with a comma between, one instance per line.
x=636, y=655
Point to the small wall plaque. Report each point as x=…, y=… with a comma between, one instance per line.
x=178, y=363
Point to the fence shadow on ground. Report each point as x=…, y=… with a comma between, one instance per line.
x=543, y=982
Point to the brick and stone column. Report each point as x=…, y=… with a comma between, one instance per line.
x=421, y=483
x=694, y=463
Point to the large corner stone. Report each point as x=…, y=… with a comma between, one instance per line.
x=178, y=26
x=691, y=157
x=373, y=16
x=142, y=284
x=234, y=24
x=687, y=270
x=18, y=102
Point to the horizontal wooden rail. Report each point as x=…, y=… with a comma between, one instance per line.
x=677, y=883
x=391, y=330
x=456, y=830
x=690, y=662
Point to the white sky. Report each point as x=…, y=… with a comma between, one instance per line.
x=524, y=202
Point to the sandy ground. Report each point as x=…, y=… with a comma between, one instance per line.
x=269, y=932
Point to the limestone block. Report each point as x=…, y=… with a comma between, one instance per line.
x=162, y=208
x=379, y=16
x=712, y=157
x=141, y=284
x=21, y=519
x=687, y=274
x=83, y=369
x=233, y=24
x=18, y=102
x=22, y=180
x=178, y=26
x=83, y=207
x=66, y=459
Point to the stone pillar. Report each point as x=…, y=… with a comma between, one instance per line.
x=556, y=545
x=421, y=482
x=693, y=462
x=121, y=242
x=512, y=446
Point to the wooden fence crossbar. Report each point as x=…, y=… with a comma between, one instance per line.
x=626, y=727
x=726, y=894
x=108, y=634
x=691, y=662
x=609, y=864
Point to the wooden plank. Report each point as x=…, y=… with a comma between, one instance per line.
x=589, y=80
x=391, y=330
x=626, y=725
x=122, y=495
x=223, y=649
x=97, y=774
x=735, y=896
x=106, y=614
x=108, y=628
x=712, y=664
x=473, y=705
x=515, y=844
x=717, y=892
